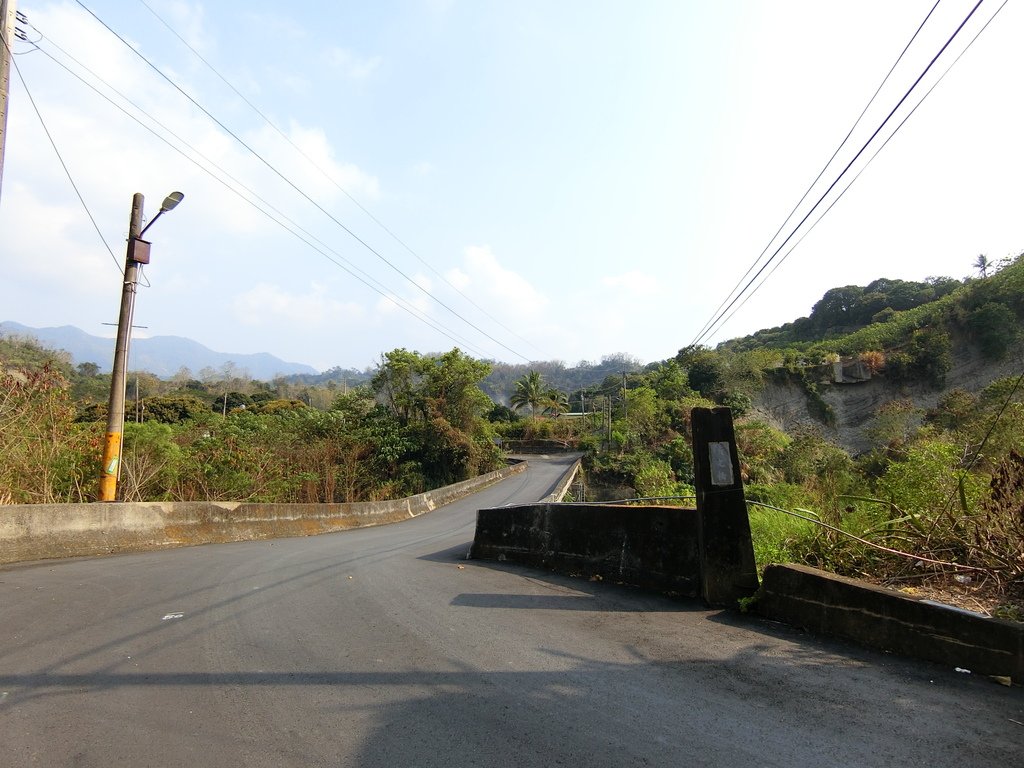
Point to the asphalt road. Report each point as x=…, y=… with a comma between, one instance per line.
x=385, y=647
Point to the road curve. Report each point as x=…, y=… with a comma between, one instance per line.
x=385, y=647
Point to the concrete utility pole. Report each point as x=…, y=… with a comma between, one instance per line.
x=111, y=470
x=7, y=15
x=625, y=412
x=137, y=253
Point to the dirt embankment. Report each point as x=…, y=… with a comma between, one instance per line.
x=786, y=405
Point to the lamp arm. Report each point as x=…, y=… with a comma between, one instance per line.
x=150, y=224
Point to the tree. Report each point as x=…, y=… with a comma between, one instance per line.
x=983, y=264
x=836, y=307
x=439, y=407
x=174, y=409
x=530, y=390
x=397, y=383
x=555, y=402
x=705, y=370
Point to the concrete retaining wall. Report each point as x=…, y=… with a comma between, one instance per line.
x=652, y=547
x=43, y=531
x=537, y=446
x=566, y=482
x=882, y=618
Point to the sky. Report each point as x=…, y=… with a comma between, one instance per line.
x=528, y=180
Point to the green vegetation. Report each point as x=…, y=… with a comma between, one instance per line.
x=419, y=424
x=944, y=484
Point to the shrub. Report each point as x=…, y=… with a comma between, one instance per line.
x=926, y=483
x=994, y=327
x=872, y=360
x=174, y=409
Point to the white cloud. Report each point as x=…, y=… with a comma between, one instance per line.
x=69, y=258
x=489, y=280
x=458, y=278
x=268, y=305
x=350, y=65
x=318, y=173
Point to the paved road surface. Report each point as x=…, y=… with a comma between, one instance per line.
x=385, y=647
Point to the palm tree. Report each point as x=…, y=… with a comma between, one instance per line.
x=530, y=390
x=982, y=264
x=555, y=402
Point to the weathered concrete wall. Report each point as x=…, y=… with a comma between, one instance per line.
x=537, y=446
x=43, y=531
x=882, y=618
x=566, y=482
x=652, y=547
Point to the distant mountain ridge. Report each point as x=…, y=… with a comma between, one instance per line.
x=160, y=355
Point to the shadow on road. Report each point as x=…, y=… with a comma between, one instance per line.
x=740, y=708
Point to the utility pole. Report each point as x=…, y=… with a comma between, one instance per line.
x=608, y=408
x=7, y=15
x=625, y=412
x=136, y=253
x=111, y=470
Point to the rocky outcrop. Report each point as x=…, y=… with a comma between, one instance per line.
x=785, y=403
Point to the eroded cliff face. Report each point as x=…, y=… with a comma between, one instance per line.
x=784, y=402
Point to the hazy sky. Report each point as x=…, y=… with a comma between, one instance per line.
x=558, y=179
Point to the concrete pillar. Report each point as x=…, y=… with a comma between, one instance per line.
x=728, y=570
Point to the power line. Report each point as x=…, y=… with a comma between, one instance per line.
x=295, y=187
x=64, y=165
x=185, y=143
x=328, y=176
x=325, y=250
x=785, y=256
x=822, y=171
x=721, y=313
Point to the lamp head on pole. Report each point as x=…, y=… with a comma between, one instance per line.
x=171, y=201
x=168, y=205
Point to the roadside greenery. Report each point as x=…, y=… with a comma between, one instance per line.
x=418, y=425
x=943, y=484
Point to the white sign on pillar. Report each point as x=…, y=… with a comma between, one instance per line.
x=722, y=474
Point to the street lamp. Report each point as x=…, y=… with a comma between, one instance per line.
x=137, y=253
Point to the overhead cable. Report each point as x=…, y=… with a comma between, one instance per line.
x=821, y=172
x=64, y=165
x=328, y=176
x=722, y=312
x=295, y=187
x=723, y=321
x=291, y=227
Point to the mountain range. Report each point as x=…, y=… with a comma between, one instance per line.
x=160, y=355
